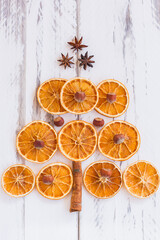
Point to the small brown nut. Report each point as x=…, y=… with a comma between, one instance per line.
x=118, y=138
x=105, y=172
x=111, y=97
x=58, y=121
x=79, y=96
x=47, y=179
x=99, y=122
x=38, y=144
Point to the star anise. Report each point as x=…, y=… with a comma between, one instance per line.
x=65, y=61
x=86, y=61
x=77, y=45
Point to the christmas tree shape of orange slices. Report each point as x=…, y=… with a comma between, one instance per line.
x=37, y=142
x=103, y=179
x=79, y=96
x=119, y=140
x=141, y=179
x=113, y=98
x=18, y=180
x=54, y=181
x=77, y=140
x=48, y=95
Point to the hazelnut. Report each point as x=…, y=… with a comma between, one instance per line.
x=47, y=179
x=118, y=138
x=99, y=122
x=105, y=172
x=111, y=97
x=79, y=96
x=38, y=144
x=58, y=121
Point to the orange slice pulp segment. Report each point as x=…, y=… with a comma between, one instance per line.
x=37, y=142
x=141, y=179
x=18, y=180
x=79, y=95
x=54, y=181
x=119, y=140
x=113, y=98
x=48, y=95
x=103, y=179
x=77, y=140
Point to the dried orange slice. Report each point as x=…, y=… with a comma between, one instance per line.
x=119, y=140
x=113, y=98
x=79, y=95
x=18, y=180
x=77, y=140
x=103, y=179
x=54, y=181
x=141, y=179
x=48, y=95
x=37, y=142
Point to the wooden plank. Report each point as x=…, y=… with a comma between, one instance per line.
x=98, y=34
x=12, y=103
x=50, y=25
x=124, y=38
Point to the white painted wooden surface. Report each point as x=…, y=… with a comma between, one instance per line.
x=124, y=36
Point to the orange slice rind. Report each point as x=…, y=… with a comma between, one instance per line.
x=79, y=95
x=54, y=181
x=113, y=98
x=119, y=140
x=103, y=179
x=37, y=142
x=141, y=179
x=77, y=140
x=18, y=180
x=48, y=95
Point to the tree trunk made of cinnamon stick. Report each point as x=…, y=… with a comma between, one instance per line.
x=76, y=198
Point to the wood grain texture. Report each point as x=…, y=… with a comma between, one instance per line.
x=12, y=103
x=125, y=40
x=49, y=26
x=124, y=36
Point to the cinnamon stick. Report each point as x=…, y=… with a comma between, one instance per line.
x=76, y=198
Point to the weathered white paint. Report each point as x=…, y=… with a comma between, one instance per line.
x=49, y=25
x=124, y=36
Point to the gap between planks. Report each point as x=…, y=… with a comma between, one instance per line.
x=78, y=75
